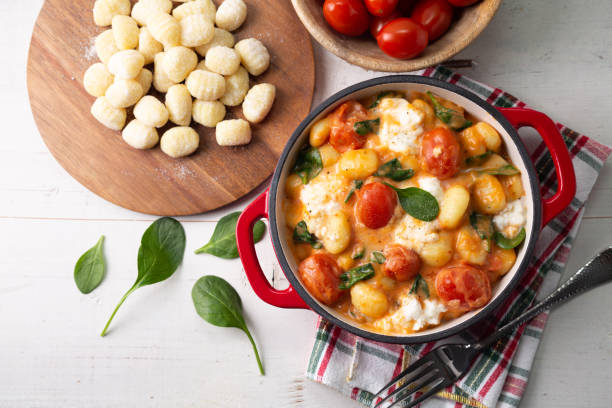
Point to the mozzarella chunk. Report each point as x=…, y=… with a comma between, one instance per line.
x=401, y=124
x=414, y=234
x=512, y=218
x=412, y=314
x=432, y=186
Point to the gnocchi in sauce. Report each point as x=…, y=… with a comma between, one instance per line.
x=404, y=211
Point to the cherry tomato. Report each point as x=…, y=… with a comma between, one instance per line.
x=434, y=15
x=381, y=8
x=379, y=22
x=343, y=136
x=401, y=263
x=440, y=153
x=375, y=205
x=348, y=17
x=402, y=38
x=320, y=275
x=405, y=6
x=466, y=287
x=462, y=3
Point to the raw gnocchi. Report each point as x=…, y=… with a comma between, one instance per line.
x=205, y=8
x=208, y=113
x=124, y=93
x=165, y=29
x=125, y=31
x=105, y=113
x=139, y=135
x=231, y=14
x=143, y=9
x=258, y=102
x=233, y=132
x=179, y=141
x=236, y=87
x=148, y=46
x=196, y=30
x=222, y=60
x=97, y=79
x=179, y=104
x=254, y=55
x=151, y=112
x=161, y=82
x=178, y=62
x=105, y=46
x=220, y=38
x=105, y=10
x=126, y=64
x=207, y=86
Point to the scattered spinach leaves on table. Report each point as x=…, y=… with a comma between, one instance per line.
x=222, y=244
x=357, y=184
x=90, y=268
x=365, y=127
x=308, y=164
x=218, y=303
x=394, y=171
x=377, y=257
x=420, y=283
x=483, y=225
x=356, y=274
x=161, y=252
x=301, y=234
x=509, y=243
x=451, y=117
x=417, y=202
x=506, y=170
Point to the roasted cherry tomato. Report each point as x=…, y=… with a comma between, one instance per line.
x=381, y=8
x=378, y=23
x=463, y=287
x=348, y=17
x=405, y=6
x=401, y=263
x=342, y=135
x=434, y=15
x=402, y=38
x=462, y=3
x=320, y=275
x=375, y=205
x=440, y=153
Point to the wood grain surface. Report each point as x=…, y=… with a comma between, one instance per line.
x=149, y=181
x=363, y=50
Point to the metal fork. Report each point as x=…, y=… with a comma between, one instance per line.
x=444, y=365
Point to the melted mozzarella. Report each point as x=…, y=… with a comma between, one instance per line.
x=322, y=197
x=414, y=234
x=412, y=314
x=512, y=218
x=401, y=125
x=432, y=186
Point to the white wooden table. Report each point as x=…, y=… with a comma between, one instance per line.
x=556, y=55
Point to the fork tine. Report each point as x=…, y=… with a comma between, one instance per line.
x=410, y=372
x=434, y=390
x=413, y=386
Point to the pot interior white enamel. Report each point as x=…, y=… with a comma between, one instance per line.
x=476, y=107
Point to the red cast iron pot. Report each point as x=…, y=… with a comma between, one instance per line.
x=505, y=120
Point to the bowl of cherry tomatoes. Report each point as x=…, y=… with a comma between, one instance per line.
x=395, y=35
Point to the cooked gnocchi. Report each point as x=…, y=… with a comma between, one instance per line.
x=398, y=221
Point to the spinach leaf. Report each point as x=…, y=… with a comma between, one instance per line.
x=301, y=234
x=419, y=283
x=366, y=126
x=451, y=117
x=217, y=302
x=358, y=252
x=89, y=269
x=393, y=170
x=479, y=158
x=417, y=202
x=379, y=98
x=507, y=170
x=161, y=251
x=308, y=164
x=377, y=257
x=509, y=243
x=222, y=244
x=483, y=225
x=358, y=273
x=357, y=184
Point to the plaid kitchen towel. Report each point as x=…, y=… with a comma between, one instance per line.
x=358, y=367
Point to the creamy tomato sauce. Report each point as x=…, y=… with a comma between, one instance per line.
x=397, y=266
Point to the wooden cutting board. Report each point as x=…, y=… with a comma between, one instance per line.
x=149, y=181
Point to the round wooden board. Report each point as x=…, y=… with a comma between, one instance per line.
x=149, y=181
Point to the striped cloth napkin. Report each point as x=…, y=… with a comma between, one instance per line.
x=358, y=367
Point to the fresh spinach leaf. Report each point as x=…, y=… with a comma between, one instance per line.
x=301, y=234
x=366, y=126
x=377, y=257
x=479, y=158
x=356, y=274
x=308, y=164
x=483, y=225
x=222, y=244
x=417, y=202
x=454, y=119
x=217, y=302
x=357, y=184
x=420, y=283
x=393, y=170
x=379, y=98
x=506, y=170
x=358, y=252
x=89, y=269
x=509, y=243
x=161, y=251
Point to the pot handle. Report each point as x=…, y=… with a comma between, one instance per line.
x=566, y=178
x=287, y=298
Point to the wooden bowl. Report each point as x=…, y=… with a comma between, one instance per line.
x=363, y=50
